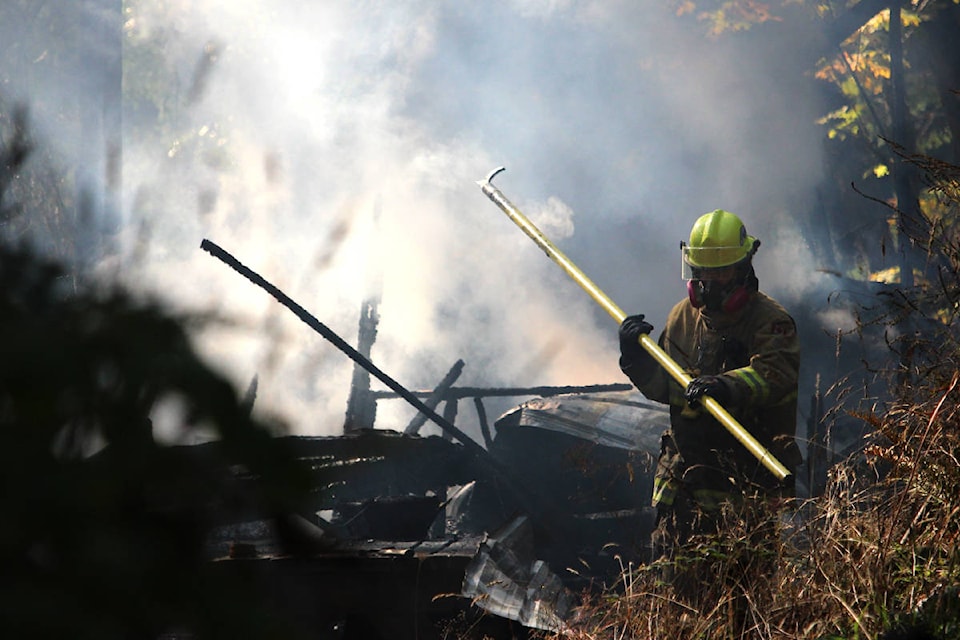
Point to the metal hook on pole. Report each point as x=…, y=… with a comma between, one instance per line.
x=649, y=344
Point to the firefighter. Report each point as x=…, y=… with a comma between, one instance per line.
x=740, y=347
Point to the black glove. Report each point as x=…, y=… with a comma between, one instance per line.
x=631, y=353
x=720, y=388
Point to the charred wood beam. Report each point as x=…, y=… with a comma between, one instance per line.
x=361, y=408
x=312, y=322
x=537, y=505
x=450, y=411
x=483, y=392
x=484, y=425
x=434, y=398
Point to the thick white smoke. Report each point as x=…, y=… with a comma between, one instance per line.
x=334, y=148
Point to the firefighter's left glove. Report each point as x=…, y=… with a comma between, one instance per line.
x=720, y=388
x=632, y=355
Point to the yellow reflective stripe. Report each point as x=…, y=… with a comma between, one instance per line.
x=664, y=491
x=758, y=386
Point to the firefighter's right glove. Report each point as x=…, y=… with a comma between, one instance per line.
x=632, y=355
x=717, y=387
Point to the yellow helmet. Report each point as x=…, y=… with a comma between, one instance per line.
x=718, y=239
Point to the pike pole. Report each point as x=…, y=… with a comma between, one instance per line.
x=649, y=344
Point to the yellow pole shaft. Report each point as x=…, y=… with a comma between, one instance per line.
x=648, y=343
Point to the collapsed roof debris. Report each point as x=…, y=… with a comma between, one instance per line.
x=416, y=532
x=507, y=580
x=413, y=531
x=405, y=535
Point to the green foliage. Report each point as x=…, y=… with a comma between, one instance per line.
x=861, y=72
x=727, y=16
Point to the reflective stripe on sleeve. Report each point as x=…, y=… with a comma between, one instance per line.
x=759, y=388
x=664, y=491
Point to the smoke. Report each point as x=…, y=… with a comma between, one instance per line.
x=334, y=148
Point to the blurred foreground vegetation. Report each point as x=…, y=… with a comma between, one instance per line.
x=103, y=529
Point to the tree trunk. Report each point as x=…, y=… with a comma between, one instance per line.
x=908, y=208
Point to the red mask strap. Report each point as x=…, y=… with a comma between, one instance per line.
x=693, y=292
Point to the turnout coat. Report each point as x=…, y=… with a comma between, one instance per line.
x=757, y=348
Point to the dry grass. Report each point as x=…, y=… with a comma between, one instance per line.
x=866, y=557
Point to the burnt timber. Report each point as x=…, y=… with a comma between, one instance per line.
x=405, y=535
x=408, y=534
